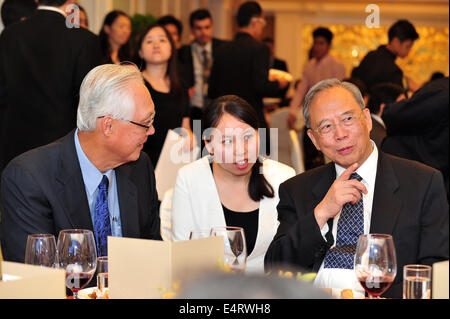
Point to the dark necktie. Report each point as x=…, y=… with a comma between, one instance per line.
x=350, y=226
x=206, y=70
x=102, y=225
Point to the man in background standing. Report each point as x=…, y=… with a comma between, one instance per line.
x=42, y=65
x=241, y=67
x=379, y=66
x=195, y=62
x=320, y=67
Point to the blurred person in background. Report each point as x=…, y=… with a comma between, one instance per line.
x=278, y=64
x=174, y=26
x=114, y=37
x=158, y=54
x=417, y=128
x=321, y=66
x=379, y=66
x=380, y=95
x=242, y=66
x=195, y=62
x=40, y=77
x=17, y=10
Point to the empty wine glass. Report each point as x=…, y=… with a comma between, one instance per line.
x=41, y=250
x=202, y=233
x=78, y=257
x=375, y=263
x=235, y=247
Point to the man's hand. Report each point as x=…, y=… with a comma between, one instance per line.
x=343, y=190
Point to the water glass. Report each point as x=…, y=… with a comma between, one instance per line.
x=417, y=282
x=102, y=274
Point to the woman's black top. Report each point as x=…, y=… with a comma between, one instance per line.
x=170, y=111
x=247, y=220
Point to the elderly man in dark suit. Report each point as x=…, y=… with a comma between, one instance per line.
x=324, y=210
x=95, y=178
x=42, y=63
x=241, y=67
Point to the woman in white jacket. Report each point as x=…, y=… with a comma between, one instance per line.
x=233, y=186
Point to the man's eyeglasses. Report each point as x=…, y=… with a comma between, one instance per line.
x=146, y=126
x=326, y=129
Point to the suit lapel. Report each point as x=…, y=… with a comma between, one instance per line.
x=72, y=191
x=386, y=205
x=128, y=202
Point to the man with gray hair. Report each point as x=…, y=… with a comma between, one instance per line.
x=95, y=178
x=323, y=211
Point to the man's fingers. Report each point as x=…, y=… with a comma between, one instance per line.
x=346, y=174
x=356, y=184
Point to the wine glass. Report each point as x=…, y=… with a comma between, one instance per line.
x=375, y=263
x=235, y=253
x=78, y=257
x=41, y=250
x=202, y=233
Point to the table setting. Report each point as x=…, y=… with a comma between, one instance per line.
x=137, y=276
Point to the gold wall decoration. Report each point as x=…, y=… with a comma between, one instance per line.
x=430, y=53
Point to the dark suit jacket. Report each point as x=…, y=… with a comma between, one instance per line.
x=42, y=65
x=378, y=66
x=378, y=133
x=42, y=191
x=279, y=64
x=409, y=203
x=186, y=62
x=241, y=67
x=418, y=128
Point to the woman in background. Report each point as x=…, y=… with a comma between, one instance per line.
x=158, y=54
x=114, y=37
x=233, y=186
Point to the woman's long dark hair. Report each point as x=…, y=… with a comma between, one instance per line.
x=175, y=86
x=125, y=53
x=258, y=186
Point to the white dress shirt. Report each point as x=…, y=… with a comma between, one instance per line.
x=346, y=278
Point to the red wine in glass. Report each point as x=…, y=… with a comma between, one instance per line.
x=375, y=286
x=78, y=280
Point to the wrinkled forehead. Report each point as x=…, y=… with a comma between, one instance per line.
x=333, y=99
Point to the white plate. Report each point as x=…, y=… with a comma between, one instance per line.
x=336, y=293
x=84, y=293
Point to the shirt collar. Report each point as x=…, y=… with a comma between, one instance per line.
x=91, y=175
x=199, y=48
x=367, y=170
x=50, y=8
